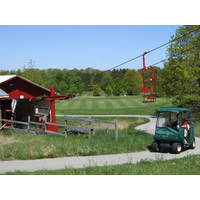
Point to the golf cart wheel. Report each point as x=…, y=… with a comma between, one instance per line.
x=176, y=148
x=154, y=147
x=193, y=145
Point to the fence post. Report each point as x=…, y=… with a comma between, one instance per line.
x=90, y=128
x=65, y=128
x=12, y=122
x=116, y=130
x=29, y=119
x=45, y=128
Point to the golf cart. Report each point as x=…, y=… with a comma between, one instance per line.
x=174, y=130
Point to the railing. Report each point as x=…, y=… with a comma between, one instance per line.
x=43, y=127
x=91, y=129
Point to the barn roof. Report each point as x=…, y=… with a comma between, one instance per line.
x=4, y=78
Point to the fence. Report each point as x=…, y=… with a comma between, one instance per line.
x=91, y=129
x=38, y=127
x=43, y=127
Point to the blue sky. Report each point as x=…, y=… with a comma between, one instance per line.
x=100, y=47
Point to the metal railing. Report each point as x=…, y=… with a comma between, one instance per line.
x=91, y=128
x=43, y=127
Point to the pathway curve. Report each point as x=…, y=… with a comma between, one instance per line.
x=101, y=160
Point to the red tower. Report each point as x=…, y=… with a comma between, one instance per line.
x=149, y=82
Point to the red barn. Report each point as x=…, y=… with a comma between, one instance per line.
x=21, y=99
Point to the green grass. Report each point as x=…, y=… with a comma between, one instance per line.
x=184, y=166
x=16, y=145
x=197, y=128
x=109, y=105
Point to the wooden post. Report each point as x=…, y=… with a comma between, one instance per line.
x=116, y=130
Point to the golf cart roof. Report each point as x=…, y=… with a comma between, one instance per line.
x=173, y=109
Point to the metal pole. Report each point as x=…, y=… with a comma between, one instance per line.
x=45, y=128
x=28, y=123
x=65, y=128
x=90, y=128
x=116, y=130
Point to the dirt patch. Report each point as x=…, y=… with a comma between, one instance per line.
x=8, y=140
x=121, y=125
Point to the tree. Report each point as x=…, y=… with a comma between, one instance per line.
x=109, y=90
x=133, y=82
x=159, y=81
x=33, y=74
x=181, y=74
x=106, y=80
x=96, y=90
x=118, y=87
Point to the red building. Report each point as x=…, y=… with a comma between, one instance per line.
x=21, y=99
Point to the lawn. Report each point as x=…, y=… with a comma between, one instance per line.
x=184, y=166
x=109, y=105
x=16, y=145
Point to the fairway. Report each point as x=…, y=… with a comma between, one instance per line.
x=109, y=105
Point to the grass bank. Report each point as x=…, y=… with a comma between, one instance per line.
x=184, y=166
x=197, y=128
x=16, y=145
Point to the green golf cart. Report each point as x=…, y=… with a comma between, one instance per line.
x=174, y=130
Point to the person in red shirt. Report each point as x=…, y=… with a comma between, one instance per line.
x=186, y=127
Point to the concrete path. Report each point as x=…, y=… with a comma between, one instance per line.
x=85, y=161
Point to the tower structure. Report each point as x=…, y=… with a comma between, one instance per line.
x=149, y=82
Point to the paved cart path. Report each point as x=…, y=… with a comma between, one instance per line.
x=101, y=160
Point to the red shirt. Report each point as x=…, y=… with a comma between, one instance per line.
x=186, y=125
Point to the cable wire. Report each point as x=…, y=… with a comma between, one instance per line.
x=163, y=60
x=154, y=49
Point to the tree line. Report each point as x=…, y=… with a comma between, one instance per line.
x=97, y=82
x=117, y=82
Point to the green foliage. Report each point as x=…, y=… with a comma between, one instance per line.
x=133, y=82
x=160, y=81
x=117, y=82
x=106, y=81
x=118, y=87
x=96, y=90
x=181, y=74
x=84, y=80
x=109, y=90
